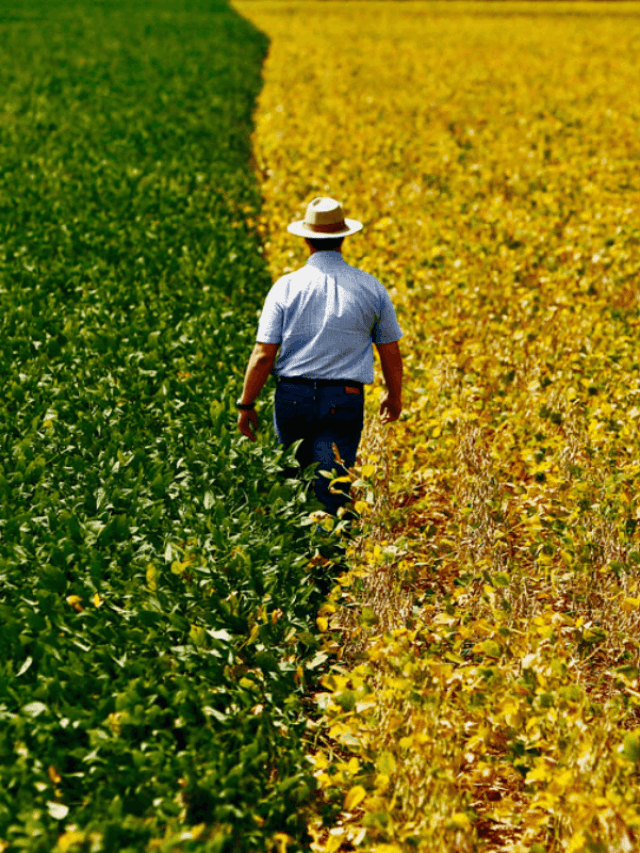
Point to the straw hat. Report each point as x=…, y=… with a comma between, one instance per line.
x=324, y=219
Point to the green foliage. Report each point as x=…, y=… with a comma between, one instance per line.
x=154, y=567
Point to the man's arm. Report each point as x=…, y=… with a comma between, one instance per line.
x=260, y=365
x=391, y=362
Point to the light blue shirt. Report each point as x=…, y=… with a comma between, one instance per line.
x=326, y=316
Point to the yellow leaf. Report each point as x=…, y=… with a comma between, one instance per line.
x=97, y=601
x=386, y=763
x=74, y=601
x=509, y=710
x=577, y=842
x=178, y=567
x=334, y=843
x=354, y=797
x=115, y=720
x=325, y=781
x=382, y=782
x=152, y=577
x=197, y=635
x=320, y=760
x=54, y=775
x=561, y=782
x=282, y=841
x=196, y=831
x=538, y=774
x=368, y=471
x=323, y=623
x=460, y=821
x=66, y=841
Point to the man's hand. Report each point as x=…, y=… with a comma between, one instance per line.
x=390, y=409
x=260, y=365
x=247, y=420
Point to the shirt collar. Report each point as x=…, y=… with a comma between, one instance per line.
x=325, y=259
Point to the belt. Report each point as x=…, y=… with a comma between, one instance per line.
x=320, y=383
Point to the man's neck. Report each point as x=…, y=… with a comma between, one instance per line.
x=312, y=251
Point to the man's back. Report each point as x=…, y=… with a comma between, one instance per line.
x=325, y=316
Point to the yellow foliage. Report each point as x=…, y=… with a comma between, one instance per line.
x=354, y=797
x=491, y=151
x=282, y=841
x=69, y=841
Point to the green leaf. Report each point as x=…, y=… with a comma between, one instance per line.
x=491, y=648
x=58, y=810
x=630, y=672
x=34, y=709
x=631, y=746
x=25, y=666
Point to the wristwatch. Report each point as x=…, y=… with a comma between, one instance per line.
x=245, y=407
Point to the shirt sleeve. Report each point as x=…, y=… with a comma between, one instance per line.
x=270, y=325
x=386, y=328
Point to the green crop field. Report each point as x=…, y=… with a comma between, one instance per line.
x=157, y=611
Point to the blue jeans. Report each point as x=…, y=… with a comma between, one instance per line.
x=321, y=416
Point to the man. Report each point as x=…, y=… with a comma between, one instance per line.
x=324, y=318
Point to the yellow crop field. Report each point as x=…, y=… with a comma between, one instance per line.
x=485, y=690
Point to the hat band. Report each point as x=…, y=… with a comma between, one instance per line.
x=328, y=228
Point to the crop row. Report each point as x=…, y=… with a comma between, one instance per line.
x=155, y=589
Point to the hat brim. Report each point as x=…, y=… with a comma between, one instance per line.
x=300, y=229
